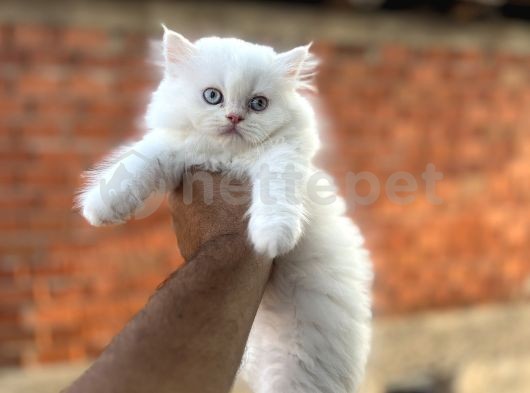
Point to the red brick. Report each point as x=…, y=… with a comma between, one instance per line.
x=69, y=352
x=16, y=334
x=11, y=106
x=35, y=37
x=6, y=36
x=132, y=85
x=15, y=295
x=39, y=128
x=85, y=39
x=38, y=84
x=57, y=315
x=90, y=84
x=11, y=358
x=94, y=129
x=9, y=316
x=59, y=107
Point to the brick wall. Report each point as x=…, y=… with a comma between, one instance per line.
x=398, y=109
x=68, y=95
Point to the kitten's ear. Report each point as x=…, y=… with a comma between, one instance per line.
x=299, y=64
x=176, y=46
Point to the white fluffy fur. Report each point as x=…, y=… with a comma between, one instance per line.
x=312, y=330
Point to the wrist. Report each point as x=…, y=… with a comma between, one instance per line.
x=226, y=249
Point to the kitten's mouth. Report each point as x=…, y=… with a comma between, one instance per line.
x=231, y=130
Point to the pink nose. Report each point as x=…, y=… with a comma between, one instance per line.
x=234, y=119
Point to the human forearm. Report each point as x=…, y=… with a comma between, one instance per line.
x=191, y=335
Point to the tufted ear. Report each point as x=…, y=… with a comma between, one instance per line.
x=176, y=47
x=299, y=65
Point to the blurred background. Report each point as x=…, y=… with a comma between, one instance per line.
x=403, y=84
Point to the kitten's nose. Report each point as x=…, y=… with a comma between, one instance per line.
x=234, y=118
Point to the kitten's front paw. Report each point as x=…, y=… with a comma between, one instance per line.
x=96, y=211
x=274, y=238
x=98, y=218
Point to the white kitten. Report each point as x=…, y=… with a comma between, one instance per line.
x=229, y=105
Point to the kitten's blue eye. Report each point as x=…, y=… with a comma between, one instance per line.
x=258, y=103
x=212, y=96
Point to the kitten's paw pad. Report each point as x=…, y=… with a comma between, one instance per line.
x=274, y=240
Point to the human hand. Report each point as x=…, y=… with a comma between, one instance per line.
x=206, y=206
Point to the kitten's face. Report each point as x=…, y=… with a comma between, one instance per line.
x=229, y=91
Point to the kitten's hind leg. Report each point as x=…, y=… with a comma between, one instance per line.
x=312, y=331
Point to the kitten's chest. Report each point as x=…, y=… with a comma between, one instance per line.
x=221, y=160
